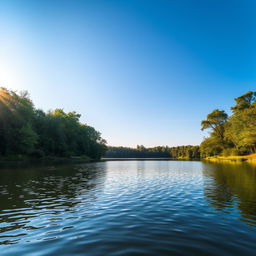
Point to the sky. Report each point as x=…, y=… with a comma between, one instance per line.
x=142, y=72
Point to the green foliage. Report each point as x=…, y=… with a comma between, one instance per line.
x=242, y=129
x=233, y=135
x=210, y=146
x=244, y=101
x=216, y=121
x=29, y=131
x=26, y=139
x=25, y=130
x=185, y=152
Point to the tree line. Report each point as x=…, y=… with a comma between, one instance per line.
x=234, y=134
x=184, y=152
x=229, y=135
x=27, y=131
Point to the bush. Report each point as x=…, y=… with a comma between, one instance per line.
x=230, y=152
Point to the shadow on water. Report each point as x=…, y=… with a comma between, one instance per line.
x=27, y=193
x=231, y=186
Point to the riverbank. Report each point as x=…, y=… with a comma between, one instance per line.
x=247, y=158
x=147, y=159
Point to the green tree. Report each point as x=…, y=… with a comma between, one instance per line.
x=29, y=131
x=233, y=135
x=244, y=101
x=16, y=114
x=210, y=147
x=241, y=129
x=216, y=122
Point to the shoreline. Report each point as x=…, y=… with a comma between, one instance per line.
x=247, y=158
x=13, y=161
x=146, y=159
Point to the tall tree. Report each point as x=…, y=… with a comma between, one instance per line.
x=233, y=135
x=244, y=101
x=216, y=121
x=25, y=130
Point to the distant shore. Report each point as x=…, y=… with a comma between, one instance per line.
x=146, y=159
x=134, y=158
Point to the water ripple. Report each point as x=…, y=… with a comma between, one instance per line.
x=129, y=208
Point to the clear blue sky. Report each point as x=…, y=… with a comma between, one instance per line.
x=140, y=71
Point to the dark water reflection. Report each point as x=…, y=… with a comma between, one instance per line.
x=232, y=186
x=129, y=208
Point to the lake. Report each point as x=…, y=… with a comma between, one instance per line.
x=129, y=208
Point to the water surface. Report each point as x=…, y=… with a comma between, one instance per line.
x=129, y=208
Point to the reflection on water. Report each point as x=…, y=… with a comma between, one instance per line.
x=34, y=198
x=129, y=208
x=232, y=186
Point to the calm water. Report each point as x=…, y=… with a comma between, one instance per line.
x=129, y=208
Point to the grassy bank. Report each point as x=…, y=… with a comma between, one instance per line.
x=248, y=158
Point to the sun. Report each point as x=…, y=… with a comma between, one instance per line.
x=9, y=77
